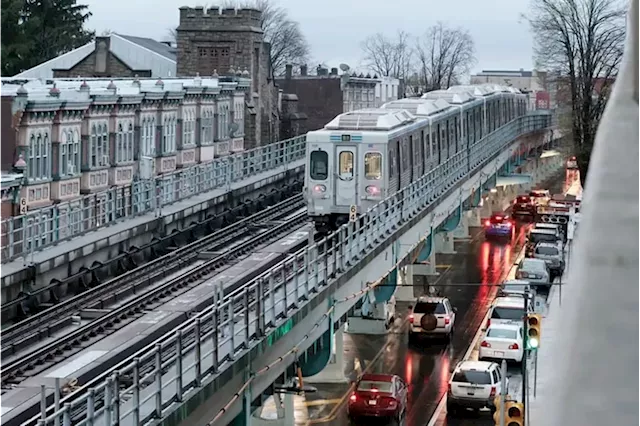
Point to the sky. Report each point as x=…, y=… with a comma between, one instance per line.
x=335, y=31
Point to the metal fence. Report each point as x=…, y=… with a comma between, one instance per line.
x=143, y=388
x=37, y=230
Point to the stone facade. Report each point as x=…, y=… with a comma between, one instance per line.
x=225, y=41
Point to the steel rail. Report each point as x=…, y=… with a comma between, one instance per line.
x=120, y=316
x=46, y=322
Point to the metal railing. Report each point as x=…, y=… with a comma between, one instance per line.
x=37, y=230
x=145, y=386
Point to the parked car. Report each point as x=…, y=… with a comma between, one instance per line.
x=553, y=255
x=474, y=384
x=378, y=395
x=537, y=235
x=540, y=196
x=508, y=310
x=502, y=341
x=536, y=272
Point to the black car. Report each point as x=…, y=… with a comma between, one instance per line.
x=524, y=205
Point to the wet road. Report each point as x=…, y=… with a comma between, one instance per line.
x=426, y=366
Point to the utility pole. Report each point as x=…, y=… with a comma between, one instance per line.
x=525, y=342
x=503, y=391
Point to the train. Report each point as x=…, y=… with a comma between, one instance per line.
x=362, y=157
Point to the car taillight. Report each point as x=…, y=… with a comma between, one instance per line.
x=447, y=320
x=391, y=402
x=514, y=346
x=353, y=397
x=493, y=392
x=411, y=318
x=449, y=388
x=487, y=223
x=485, y=344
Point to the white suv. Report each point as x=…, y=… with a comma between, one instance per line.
x=474, y=384
x=432, y=315
x=508, y=310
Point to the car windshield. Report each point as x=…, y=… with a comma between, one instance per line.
x=471, y=376
x=532, y=265
x=429, y=308
x=501, y=333
x=369, y=385
x=509, y=314
x=538, y=237
x=547, y=251
x=523, y=199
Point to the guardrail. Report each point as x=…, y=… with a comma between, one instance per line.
x=37, y=230
x=143, y=388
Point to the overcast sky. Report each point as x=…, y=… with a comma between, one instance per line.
x=335, y=28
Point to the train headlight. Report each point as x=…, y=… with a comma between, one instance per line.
x=319, y=188
x=372, y=190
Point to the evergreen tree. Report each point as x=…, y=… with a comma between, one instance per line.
x=35, y=31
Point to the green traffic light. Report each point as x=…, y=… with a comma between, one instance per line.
x=533, y=343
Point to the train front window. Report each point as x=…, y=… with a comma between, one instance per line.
x=345, y=164
x=373, y=165
x=319, y=163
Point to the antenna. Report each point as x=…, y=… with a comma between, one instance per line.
x=344, y=67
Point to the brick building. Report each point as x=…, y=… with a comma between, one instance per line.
x=72, y=137
x=112, y=56
x=224, y=41
x=323, y=96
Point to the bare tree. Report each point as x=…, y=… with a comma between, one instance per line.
x=581, y=42
x=444, y=55
x=287, y=42
x=387, y=56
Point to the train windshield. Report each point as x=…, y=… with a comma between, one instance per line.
x=373, y=165
x=319, y=165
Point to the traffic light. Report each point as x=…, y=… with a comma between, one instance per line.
x=534, y=321
x=514, y=415
x=496, y=403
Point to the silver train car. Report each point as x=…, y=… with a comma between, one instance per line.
x=362, y=157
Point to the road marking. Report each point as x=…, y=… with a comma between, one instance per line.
x=317, y=402
x=444, y=266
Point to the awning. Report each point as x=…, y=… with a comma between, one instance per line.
x=516, y=179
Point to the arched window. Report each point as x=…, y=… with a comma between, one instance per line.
x=120, y=149
x=76, y=151
x=130, y=142
x=38, y=173
x=105, y=146
x=93, y=147
x=31, y=164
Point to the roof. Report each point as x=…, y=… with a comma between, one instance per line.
x=543, y=231
x=370, y=119
x=507, y=325
x=377, y=377
x=431, y=299
x=138, y=53
x=512, y=73
x=474, y=365
x=419, y=107
x=507, y=300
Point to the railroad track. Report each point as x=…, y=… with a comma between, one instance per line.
x=236, y=240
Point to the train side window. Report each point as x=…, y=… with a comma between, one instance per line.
x=426, y=145
x=319, y=165
x=373, y=165
x=392, y=160
x=345, y=165
x=404, y=154
x=434, y=143
x=417, y=148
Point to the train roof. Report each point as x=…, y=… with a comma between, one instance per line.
x=474, y=90
x=417, y=106
x=371, y=119
x=451, y=97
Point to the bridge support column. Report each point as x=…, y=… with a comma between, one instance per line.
x=404, y=290
x=462, y=231
x=474, y=217
x=371, y=319
x=285, y=412
x=334, y=371
x=444, y=243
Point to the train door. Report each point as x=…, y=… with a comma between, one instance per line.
x=346, y=182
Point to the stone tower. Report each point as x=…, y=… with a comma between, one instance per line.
x=217, y=40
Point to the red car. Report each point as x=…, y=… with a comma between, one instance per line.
x=378, y=395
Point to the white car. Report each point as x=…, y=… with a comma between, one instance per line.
x=474, y=384
x=432, y=315
x=540, y=196
x=508, y=310
x=502, y=341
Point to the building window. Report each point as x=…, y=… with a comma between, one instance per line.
x=147, y=139
x=69, y=153
x=169, y=135
x=124, y=143
x=206, y=133
x=99, y=145
x=189, y=129
x=39, y=164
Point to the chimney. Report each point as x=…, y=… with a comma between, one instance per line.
x=303, y=70
x=334, y=71
x=288, y=72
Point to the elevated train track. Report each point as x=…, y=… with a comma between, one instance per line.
x=137, y=292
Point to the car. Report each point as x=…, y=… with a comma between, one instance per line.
x=552, y=226
x=474, y=384
x=515, y=287
x=380, y=396
x=432, y=316
x=499, y=225
x=502, y=341
x=535, y=271
x=572, y=163
x=552, y=254
x=508, y=310
x=537, y=235
x=540, y=196
x=524, y=205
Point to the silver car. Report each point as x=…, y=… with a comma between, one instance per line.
x=535, y=271
x=552, y=226
x=554, y=257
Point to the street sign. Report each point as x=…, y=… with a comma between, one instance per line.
x=353, y=213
